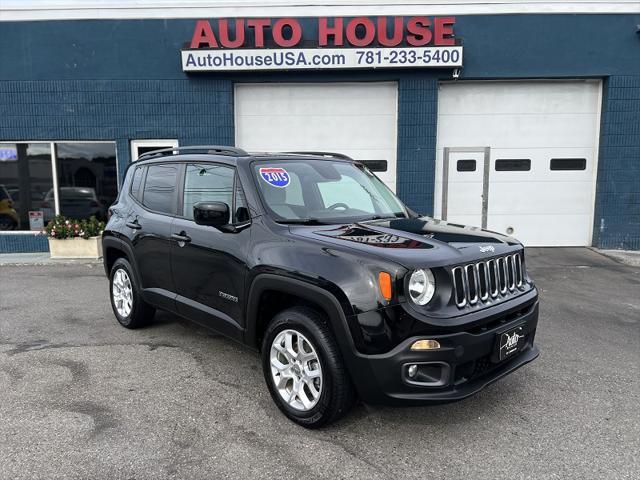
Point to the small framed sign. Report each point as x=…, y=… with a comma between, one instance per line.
x=36, y=220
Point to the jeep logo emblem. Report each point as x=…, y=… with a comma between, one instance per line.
x=487, y=248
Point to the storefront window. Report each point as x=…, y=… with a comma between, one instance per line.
x=25, y=180
x=86, y=182
x=87, y=178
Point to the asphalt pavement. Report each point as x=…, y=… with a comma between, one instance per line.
x=82, y=397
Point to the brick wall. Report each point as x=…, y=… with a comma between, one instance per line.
x=10, y=243
x=194, y=110
x=417, y=120
x=617, y=208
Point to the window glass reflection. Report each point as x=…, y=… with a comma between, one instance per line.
x=87, y=179
x=25, y=179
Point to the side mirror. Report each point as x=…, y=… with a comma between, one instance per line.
x=213, y=214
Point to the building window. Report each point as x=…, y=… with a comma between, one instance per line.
x=513, y=165
x=87, y=179
x=568, y=164
x=84, y=183
x=26, y=179
x=466, y=165
x=140, y=147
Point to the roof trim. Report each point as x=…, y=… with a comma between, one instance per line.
x=28, y=10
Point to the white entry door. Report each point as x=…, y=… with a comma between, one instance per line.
x=356, y=119
x=463, y=200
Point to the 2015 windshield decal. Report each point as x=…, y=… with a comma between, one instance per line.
x=275, y=176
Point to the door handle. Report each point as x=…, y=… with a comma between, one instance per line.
x=135, y=225
x=181, y=237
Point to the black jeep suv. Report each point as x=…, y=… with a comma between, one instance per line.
x=312, y=260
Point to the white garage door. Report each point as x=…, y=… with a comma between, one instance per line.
x=357, y=119
x=519, y=158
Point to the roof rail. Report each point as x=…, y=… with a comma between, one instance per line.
x=341, y=156
x=211, y=149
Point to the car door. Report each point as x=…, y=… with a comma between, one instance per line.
x=208, y=264
x=150, y=221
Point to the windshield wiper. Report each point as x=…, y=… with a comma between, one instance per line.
x=378, y=217
x=301, y=221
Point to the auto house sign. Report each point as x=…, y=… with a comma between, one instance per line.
x=335, y=43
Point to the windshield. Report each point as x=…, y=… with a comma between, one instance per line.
x=322, y=191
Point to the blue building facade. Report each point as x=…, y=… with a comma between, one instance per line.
x=121, y=79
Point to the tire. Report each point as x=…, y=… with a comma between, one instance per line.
x=129, y=308
x=336, y=392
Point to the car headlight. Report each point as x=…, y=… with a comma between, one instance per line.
x=422, y=286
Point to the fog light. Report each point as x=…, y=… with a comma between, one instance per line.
x=413, y=369
x=425, y=345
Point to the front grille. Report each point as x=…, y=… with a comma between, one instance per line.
x=487, y=280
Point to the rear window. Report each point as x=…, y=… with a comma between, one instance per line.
x=136, y=183
x=160, y=188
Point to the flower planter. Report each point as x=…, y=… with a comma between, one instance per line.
x=76, y=247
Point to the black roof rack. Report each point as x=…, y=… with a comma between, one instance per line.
x=341, y=156
x=211, y=149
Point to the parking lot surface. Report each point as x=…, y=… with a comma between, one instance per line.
x=82, y=397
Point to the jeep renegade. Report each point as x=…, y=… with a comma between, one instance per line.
x=310, y=259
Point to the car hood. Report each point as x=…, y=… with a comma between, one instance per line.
x=414, y=242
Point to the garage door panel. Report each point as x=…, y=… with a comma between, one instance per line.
x=321, y=107
x=547, y=230
x=354, y=132
x=524, y=198
x=539, y=131
x=519, y=98
x=541, y=164
x=357, y=119
x=327, y=100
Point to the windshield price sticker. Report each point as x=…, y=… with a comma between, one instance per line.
x=275, y=176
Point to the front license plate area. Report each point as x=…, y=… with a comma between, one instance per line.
x=508, y=344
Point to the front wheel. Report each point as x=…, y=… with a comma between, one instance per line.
x=128, y=305
x=304, y=370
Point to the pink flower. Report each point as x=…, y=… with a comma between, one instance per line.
x=53, y=233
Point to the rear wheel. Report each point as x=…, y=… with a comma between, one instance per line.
x=127, y=303
x=304, y=370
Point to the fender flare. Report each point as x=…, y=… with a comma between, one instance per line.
x=308, y=291
x=119, y=244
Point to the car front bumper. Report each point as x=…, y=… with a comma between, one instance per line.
x=465, y=364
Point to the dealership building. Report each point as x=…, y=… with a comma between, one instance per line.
x=520, y=117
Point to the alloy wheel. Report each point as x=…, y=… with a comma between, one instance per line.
x=122, y=292
x=296, y=370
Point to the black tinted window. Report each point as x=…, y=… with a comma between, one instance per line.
x=513, y=165
x=466, y=165
x=568, y=164
x=136, y=182
x=375, y=165
x=207, y=183
x=160, y=187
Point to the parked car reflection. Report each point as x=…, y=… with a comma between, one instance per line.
x=75, y=202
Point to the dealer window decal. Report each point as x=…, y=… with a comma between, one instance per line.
x=275, y=176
